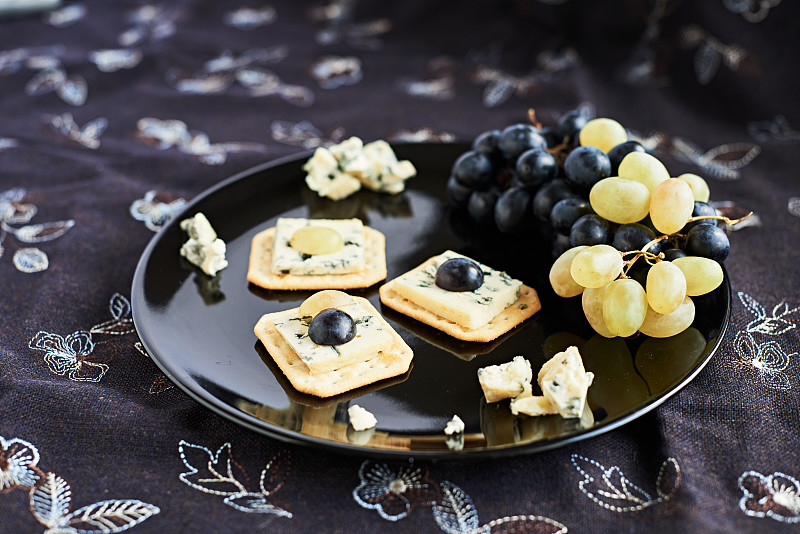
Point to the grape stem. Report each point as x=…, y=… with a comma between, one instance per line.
x=649, y=257
x=534, y=121
x=726, y=220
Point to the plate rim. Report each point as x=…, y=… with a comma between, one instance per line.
x=206, y=399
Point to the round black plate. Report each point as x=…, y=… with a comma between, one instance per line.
x=199, y=330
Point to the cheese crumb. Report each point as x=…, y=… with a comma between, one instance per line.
x=454, y=426
x=341, y=170
x=506, y=380
x=360, y=418
x=203, y=248
x=564, y=383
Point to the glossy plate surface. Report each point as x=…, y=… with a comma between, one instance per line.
x=199, y=330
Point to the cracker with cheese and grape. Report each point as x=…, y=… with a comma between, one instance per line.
x=333, y=343
x=461, y=297
x=310, y=254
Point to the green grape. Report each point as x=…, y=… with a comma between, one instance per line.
x=317, y=240
x=671, y=205
x=322, y=300
x=668, y=324
x=624, y=306
x=596, y=266
x=666, y=287
x=699, y=186
x=602, y=133
x=620, y=200
x=643, y=168
x=592, y=302
x=561, y=279
x=703, y=275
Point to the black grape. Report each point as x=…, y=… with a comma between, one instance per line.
x=634, y=236
x=708, y=241
x=585, y=166
x=457, y=192
x=481, y=206
x=567, y=211
x=618, y=153
x=512, y=210
x=473, y=169
x=535, y=167
x=548, y=196
x=569, y=124
x=589, y=229
x=517, y=138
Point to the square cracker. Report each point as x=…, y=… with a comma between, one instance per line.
x=394, y=361
x=259, y=271
x=526, y=305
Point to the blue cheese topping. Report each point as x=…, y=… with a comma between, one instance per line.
x=470, y=309
x=350, y=259
x=203, y=248
x=371, y=339
x=341, y=170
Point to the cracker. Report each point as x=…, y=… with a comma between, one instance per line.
x=259, y=270
x=394, y=361
x=526, y=305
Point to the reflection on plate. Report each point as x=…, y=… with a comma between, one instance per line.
x=199, y=330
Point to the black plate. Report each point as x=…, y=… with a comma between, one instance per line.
x=199, y=330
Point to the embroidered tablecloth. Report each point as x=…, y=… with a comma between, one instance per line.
x=114, y=114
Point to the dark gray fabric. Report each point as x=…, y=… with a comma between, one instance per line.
x=712, y=86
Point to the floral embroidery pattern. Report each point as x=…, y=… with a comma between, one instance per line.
x=422, y=135
x=50, y=496
x=66, y=16
x=165, y=134
x=777, y=130
x=339, y=26
x=303, y=134
x=794, y=206
x=751, y=10
x=394, y=493
x=149, y=22
x=776, y=496
x=112, y=60
x=723, y=161
x=71, y=88
x=249, y=18
x=773, y=325
x=155, y=210
x=13, y=211
x=439, y=85
x=218, y=474
x=455, y=513
x=88, y=136
x=710, y=53
x=331, y=72
x=18, y=460
x=70, y=355
x=611, y=489
x=767, y=358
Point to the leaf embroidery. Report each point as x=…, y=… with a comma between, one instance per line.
x=50, y=503
x=303, y=134
x=112, y=60
x=88, y=136
x=722, y=161
x=777, y=130
x=155, y=210
x=611, y=489
x=772, y=325
x=218, y=474
x=18, y=460
x=455, y=513
x=246, y=18
x=66, y=16
x=121, y=322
